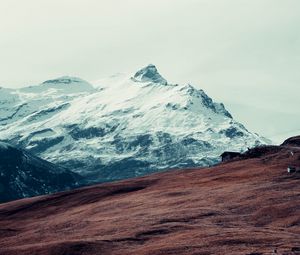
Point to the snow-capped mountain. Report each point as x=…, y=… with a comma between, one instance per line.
x=24, y=175
x=123, y=126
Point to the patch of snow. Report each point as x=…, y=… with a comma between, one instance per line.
x=4, y=146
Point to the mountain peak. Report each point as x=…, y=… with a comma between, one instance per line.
x=67, y=84
x=149, y=74
x=63, y=80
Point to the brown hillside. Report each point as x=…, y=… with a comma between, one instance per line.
x=249, y=206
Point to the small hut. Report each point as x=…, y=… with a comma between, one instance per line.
x=229, y=155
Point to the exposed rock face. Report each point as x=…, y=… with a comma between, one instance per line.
x=150, y=74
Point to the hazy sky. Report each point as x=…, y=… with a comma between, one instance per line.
x=243, y=53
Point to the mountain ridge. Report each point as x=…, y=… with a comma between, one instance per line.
x=123, y=128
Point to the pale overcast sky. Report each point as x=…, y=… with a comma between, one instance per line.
x=243, y=53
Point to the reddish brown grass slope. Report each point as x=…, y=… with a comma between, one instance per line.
x=249, y=206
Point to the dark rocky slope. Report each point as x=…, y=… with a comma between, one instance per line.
x=24, y=175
